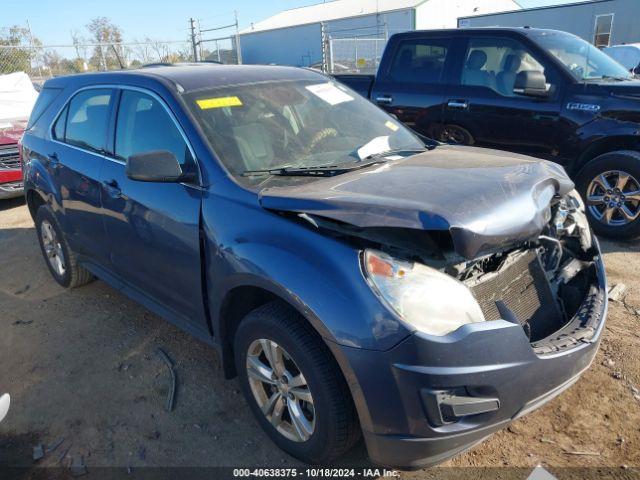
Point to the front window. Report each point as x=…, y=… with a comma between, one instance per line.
x=298, y=124
x=584, y=61
x=495, y=63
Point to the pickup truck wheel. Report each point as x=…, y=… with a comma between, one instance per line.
x=456, y=135
x=60, y=259
x=610, y=187
x=293, y=385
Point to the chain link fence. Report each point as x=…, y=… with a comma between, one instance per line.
x=358, y=54
x=223, y=50
x=46, y=61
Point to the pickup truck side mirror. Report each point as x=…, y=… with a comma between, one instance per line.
x=156, y=166
x=531, y=83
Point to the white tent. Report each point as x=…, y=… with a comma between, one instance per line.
x=17, y=96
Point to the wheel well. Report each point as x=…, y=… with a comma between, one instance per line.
x=606, y=145
x=236, y=305
x=34, y=202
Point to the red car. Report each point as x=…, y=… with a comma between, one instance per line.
x=10, y=165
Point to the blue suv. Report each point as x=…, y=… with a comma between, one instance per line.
x=360, y=280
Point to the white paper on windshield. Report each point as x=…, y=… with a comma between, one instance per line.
x=17, y=96
x=375, y=146
x=329, y=93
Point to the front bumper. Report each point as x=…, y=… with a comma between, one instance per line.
x=490, y=360
x=11, y=189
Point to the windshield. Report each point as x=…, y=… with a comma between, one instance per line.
x=295, y=124
x=584, y=61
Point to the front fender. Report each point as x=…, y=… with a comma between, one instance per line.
x=318, y=275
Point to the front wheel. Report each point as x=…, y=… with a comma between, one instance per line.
x=610, y=187
x=294, y=386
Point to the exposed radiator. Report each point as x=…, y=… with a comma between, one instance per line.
x=523, y=288
x=9, y=158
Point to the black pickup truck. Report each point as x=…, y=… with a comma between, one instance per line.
x=543, y=93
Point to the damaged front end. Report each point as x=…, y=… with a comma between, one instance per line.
x=551, y=284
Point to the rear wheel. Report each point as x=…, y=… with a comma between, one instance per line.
x=60, y=259
x=610, y=187
x=294, y=386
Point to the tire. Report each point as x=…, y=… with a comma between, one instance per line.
x=619, y=225
x=336, y=429
x=456, y=135
x=72, y=275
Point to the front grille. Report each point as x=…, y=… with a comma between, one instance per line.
x=9, y=158
x=522, y=287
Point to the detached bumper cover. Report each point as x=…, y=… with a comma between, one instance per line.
x=491, y=360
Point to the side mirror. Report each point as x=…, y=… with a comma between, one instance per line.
x=156, y=166
x=531, y=83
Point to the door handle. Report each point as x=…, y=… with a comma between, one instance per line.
x=384, y=99
x=112, y=188
x=54, y=161
x=458, y=104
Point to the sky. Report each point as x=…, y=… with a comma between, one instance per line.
x=52, y=21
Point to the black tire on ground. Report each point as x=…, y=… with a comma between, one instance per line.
x=623, y=160
x=74, y=275
x=336, y=429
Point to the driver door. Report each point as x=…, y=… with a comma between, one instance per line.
x=153, y=228
x=481, y=108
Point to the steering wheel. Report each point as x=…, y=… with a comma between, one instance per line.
x=320, y=136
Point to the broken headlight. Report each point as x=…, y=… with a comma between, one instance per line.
x=429, y=300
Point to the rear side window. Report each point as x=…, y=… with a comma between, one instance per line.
x=420, y=61
x=143, y=125
x=46, y=96
x=87, y=119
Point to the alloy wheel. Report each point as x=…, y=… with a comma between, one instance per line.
x=613, y=198
x=52, y=248
x=280, y=390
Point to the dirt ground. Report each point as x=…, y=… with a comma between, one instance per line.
x=81, y=365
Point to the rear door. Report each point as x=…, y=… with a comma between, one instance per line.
x=153, y=228
x=75, y=160
x=411, y=84
x=482, y=109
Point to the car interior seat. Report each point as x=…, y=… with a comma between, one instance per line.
x=506, y=79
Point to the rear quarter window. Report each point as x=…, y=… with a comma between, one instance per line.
x=45, y=98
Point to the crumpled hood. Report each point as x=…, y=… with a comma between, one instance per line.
x=487, y=199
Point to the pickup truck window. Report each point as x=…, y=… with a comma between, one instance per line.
x=419, y=61
x=87, y=119
x=583, y=60
x=295, y=123
x=143, y=125
x=495, y=63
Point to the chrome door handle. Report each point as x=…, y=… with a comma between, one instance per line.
x=385, y=99
x=458, y=104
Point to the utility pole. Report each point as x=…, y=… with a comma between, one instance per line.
x=194, y=42
x=238, y=49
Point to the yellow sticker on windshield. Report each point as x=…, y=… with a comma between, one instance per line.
x=219, y=102
x=391, y=126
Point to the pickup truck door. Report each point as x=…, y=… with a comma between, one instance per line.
x=482, y=109
x=154, y=227
x=411, y=83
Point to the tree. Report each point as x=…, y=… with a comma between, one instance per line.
x=109, y=54
x=15, y=50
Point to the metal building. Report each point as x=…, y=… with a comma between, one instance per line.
x=601, y=22
x=350, y=35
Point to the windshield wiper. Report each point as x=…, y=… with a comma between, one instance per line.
x=393, y=151
x=316, y=171
x=613, y=78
